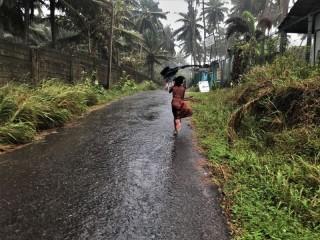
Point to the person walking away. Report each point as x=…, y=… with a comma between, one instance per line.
x=178, y=92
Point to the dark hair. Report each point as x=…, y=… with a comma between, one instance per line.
x=179, y=80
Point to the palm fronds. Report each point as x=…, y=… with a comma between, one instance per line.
x=236, y=25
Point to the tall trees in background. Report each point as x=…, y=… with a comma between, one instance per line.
x=155, y=53
x=84, y=25
x=249, y=26
x=189, y=33
x=214, y=13
x=158, y=42
x=256, y=7
x=148, y=16
x=273, y=9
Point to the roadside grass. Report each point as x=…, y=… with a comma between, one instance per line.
x=26, y=110
x=270, y=174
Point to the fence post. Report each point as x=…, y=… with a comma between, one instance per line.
x=309, y=39
x=34, y=65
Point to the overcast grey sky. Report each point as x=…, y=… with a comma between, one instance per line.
x=174, y=7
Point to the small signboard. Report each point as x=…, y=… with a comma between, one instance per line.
x=204, y=86
x=210, y=40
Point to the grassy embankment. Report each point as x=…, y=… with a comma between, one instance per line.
x=25, y=110
x=263, y=142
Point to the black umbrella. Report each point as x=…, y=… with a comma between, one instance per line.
x=169, y=72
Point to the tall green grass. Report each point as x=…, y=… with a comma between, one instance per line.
x=25, y=110
x=271, y=179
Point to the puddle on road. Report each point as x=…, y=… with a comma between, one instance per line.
x=149, y=116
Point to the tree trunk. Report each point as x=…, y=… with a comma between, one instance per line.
x=32, y=10
x=283, y=35
x=109, y=74
x=215, y=46
x=226, y=45
x=53, y=22
x=26, y=19
x=204, y=34
x=152, y=71
x=263, y=45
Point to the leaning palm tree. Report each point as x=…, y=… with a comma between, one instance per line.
x=155, y=54
x=146, y=20
x=243, y=27
x=168, y=40
x=189, y=33
x=148, y=16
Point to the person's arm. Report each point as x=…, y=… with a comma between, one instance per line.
x=171, y=90
x=185, y=84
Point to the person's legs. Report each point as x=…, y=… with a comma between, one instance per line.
x=175, y=127
x=176, y=121
x=178, y=124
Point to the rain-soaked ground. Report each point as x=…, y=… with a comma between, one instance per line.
x=120, y=174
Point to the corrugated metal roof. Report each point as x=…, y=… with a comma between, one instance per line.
x=297, y=19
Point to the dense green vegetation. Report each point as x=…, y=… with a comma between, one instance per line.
x=263, y=141
x=25, y=110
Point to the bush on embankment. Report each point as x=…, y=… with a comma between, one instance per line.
x=25, y=110
x=263, y=141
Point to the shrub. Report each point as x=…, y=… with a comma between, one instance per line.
x=148, y=85
x=17, y=133
x=271, y=172
x=25, y=110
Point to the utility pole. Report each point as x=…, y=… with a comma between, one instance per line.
x=107, y=86
x=204, y=34
x=26, y=20
x=53, y=22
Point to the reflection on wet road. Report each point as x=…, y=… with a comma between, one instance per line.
x=119, y=175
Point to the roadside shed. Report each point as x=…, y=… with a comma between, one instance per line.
x=304, y=18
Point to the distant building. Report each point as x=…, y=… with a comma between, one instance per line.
x=304, y=18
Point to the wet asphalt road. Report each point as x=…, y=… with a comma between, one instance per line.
x=119, y=175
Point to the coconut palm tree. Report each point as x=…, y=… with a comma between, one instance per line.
x=146, y=20
x=214, y=13
x=247, y=36
x=243, y=27
x=148, y=16
x=168, y=40
x=256, y=7
x=189, y=33
x=155, y=54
